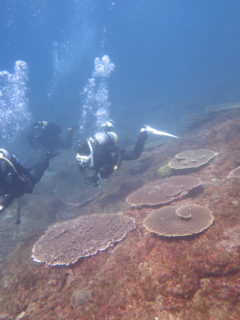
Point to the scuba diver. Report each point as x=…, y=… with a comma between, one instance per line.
x=45, y=136
x=15, y=180
x=99, y=156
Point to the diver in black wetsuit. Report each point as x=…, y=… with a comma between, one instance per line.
x=15, y=180
x=45, y=136
x=99, y=156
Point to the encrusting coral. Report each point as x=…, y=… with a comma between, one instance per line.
x=164, y=171
x=80, y=297
x=179, y=221
x=163, y=192
x=235, y=173
x=191, y=159
x=66, y=242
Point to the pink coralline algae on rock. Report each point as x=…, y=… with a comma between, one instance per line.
x=66, y=242
x=164, y=192
x=179, y=221
x=231, y=239
x=80, y=297
x=191, y=159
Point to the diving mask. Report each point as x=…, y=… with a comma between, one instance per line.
x=84, y=154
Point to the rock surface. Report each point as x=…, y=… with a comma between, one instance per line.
x=145, y=277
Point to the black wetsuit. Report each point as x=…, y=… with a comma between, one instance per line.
x=15, y=180
x=108, y=157
x=136, y=152
x=45, y=136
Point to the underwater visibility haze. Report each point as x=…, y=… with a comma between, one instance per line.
x=167, y=55
x=163, y=230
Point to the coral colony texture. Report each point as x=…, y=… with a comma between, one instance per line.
x=175, y=264
x=66, y=242
x=165, y=191
x=191, y=159
x=164, y=171
x=179, y=222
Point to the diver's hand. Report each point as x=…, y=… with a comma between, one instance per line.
x=5, y=201
x=2, y=203
x=93, y=181
x=73, y=128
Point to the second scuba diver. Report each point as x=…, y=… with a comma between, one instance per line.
x=45, y=136
x=15, y=180
x=99, y=156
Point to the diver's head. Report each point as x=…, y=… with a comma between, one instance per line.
x=107, y=126
x=40, y=124
x=49, y=127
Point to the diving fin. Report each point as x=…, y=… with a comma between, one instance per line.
x=18, y=218
x=157, y=132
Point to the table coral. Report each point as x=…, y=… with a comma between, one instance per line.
x=179, y=221
x=191, y=159
x=163, y=192
x=66, y=242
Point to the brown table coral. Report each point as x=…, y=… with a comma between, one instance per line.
x=192, y=159
x=66, y=242
x=163, y=192
x=179, y=221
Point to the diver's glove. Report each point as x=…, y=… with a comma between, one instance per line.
x=73, y=128
x=5, y=201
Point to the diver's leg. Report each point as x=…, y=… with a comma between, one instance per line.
x=38, y=170
x=135, y=153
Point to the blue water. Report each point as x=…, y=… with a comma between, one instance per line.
x=170, y=58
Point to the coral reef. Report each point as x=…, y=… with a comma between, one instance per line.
x=144, y=277
x=80, y=297
x=164, y=171
x=235, y=173
x=66, y=242
x=191, y=159
x=232, y=239
x=179, y=221
x=163, y=192
x=140, y=165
